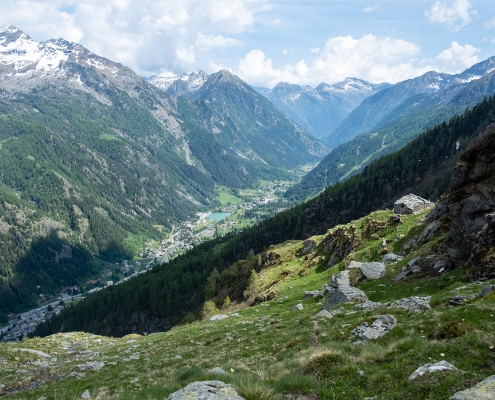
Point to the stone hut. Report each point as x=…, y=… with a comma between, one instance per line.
x=411, y=204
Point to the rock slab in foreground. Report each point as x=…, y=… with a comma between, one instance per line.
x=481, y=391
x=206, y=390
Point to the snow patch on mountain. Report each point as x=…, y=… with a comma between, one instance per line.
x=178, y=84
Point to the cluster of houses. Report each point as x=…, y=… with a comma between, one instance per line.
x=22, y=324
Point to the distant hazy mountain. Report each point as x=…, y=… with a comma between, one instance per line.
x=410, y=108
x=384, y=105
x=320, y=110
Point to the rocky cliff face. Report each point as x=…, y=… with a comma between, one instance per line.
x=468, y=208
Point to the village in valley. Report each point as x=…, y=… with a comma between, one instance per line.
x=235, y=213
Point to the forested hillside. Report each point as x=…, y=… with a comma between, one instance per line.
x=393, y=130
x=161, y=297
x=100, y=161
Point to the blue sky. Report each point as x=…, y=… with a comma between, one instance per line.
x=268, y=41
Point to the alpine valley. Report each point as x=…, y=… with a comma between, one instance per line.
x=94, y=160
x=355, y=288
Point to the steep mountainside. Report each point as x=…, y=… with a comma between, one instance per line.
x=246, y=122
x=94, y=153
x=161, y=297
x=320, y=110
x=394, y=131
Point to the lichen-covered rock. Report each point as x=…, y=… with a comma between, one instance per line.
x=206, y=390
x=481, y=391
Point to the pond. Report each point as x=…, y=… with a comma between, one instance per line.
x=218, y=216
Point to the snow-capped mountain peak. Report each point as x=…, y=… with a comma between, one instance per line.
x=179, y=85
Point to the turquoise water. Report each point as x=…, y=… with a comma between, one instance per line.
x=218, y=216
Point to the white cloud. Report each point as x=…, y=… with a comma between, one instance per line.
x=372, y=8
x=457, y=58
x=489, y=24
x=315, y=50
x=453, y=17
x=212, y=41
x=374, y=58
x=288, y=51
x=276, y=21
x=146, y=35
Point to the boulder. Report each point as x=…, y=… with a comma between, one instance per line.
x=340, y=280
x=403, y=276
x=415, y=269
x=218, y=370
x=381, y=326
x=344, y=294
x=86, y=395
x=390, y=258
x=324, y=314
x=368, y=305
x=430, y=368
x=354, y=264
x=413, y=303
x=480, y=391
x=373, y=270
x=486, y=290
x=414, y=261
x=312, y=293
x=298, y=307
x=218, y=317
x=206, y=390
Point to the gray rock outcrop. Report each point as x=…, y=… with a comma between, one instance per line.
x=373, y=270
x=413, y=303
x=206, y=390
x=298, y=307
x=430, y=368
x=218, y=317
x=390, y=258
x=381, y=326
x=481, y=391
x=344, y=294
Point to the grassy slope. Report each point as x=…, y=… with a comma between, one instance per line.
x=267, y=349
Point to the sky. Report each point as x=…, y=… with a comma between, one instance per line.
x=268, y=41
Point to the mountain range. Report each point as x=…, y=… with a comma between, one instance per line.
x=322, y=109
x=387, y=120
x=96, y=159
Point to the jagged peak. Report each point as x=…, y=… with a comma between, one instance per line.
x=9, y=29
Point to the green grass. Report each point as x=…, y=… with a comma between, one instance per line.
x=268, y=352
